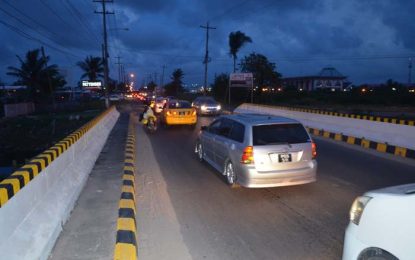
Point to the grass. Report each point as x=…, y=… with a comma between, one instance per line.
x=24, y=137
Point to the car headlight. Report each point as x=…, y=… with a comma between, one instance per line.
x=218, y=107
x=358, y=206
x=203, y=107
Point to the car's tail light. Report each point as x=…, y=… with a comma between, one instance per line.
x=314, y=150
x=248, y=155
x=168, y=113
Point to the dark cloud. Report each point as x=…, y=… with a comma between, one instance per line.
x=301, y=36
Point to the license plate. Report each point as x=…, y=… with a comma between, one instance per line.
x=284, y=157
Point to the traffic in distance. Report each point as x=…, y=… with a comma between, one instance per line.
x=260, y=151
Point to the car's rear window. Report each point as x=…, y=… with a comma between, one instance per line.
x=180, y=104
x=279, y=134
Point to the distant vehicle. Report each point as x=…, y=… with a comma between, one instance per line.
x=382, y=225
x=179, y=112
x=207, y=106
x=115, y=97
x=258, y=151
x=159, y=104
x=129, y=96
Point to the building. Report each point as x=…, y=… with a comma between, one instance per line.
x=328, y=78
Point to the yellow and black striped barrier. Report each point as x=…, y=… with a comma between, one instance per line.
x=365, y=143
x=354, y=116
x=21, y=177
x=126, y=240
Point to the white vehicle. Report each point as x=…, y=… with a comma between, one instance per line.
x=382, y=225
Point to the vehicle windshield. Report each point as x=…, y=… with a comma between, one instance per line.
x=206, y=99
x=180, y=104
x=279, y=134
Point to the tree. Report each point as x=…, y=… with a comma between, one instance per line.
x=151, y=86
x=263, y=71
x=176, y=85
x=220, y=87
x=236, y=41
x=34, y=74
x=93, y=68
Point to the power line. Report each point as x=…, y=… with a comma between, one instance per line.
x=24, y=23
x=55, y=13
x=82, y=19
x=78, y=17
x=30, y=37
x=229, y=10
x=29, y=18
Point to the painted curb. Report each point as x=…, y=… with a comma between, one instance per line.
x=390, y=120
x=21, y=177
x=365, y=143
x=126, y=238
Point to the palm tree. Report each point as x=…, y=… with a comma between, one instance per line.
x=93, y=68
x=236, y=41
x=177, y=76
x=175, y=86
x=34, y=73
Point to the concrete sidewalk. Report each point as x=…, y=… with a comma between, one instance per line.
x=91, y=229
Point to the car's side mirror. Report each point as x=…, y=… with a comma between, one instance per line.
x=203, y=128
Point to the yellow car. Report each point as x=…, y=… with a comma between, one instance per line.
x=179, y=112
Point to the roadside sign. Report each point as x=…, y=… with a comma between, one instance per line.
x=242, y=80
x=91, y=84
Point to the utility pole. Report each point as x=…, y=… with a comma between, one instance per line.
x=162, y=76
x=119, y=68
x=104, y=13
x=207, y=59
x=410, y=72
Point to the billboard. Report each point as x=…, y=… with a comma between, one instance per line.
x=91, y=84
x=243, y=80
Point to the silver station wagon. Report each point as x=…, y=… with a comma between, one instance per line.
x=258, y=151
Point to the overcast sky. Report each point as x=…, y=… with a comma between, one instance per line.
x=366, y=40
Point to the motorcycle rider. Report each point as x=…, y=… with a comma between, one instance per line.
x=148, y=113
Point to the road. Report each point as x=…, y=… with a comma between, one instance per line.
x=186, y=210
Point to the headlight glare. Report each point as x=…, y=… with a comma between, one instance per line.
x=357, y=208
x=204, y=107
x=218, y=107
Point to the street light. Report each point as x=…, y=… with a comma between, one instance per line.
x=132, y=75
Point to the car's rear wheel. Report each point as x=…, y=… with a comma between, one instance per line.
x=199, y=151
x=230, y=175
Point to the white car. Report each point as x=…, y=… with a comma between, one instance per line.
x=382, y=225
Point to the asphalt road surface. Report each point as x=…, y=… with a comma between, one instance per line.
x=186, y=210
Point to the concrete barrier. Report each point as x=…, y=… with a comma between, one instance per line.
x=399, y=135
x=37, y=199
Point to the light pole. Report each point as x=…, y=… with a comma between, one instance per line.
x=132, y=77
